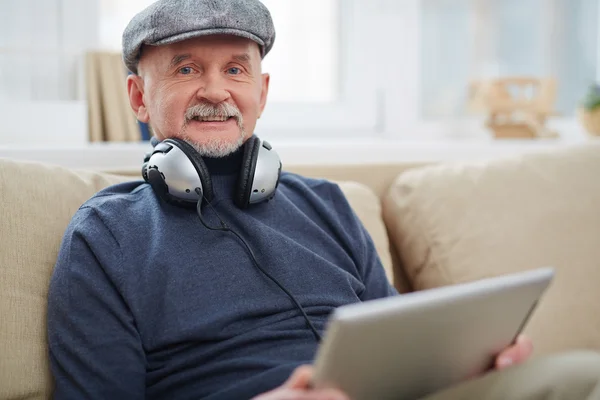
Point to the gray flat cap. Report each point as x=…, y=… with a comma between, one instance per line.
x=170, y=21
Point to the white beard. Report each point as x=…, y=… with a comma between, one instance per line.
x=217, y=147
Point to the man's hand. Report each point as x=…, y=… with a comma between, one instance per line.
x=515, y=354
x=297, y=387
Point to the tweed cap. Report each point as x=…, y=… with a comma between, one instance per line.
x=170, y=21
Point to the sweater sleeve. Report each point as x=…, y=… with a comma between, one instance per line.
x=95, y=349
x=374, y=278
x=364, y=252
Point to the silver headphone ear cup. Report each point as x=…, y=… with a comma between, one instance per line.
x=265, y=174
x=199, y=165
x=160, y=187
x=175, y=174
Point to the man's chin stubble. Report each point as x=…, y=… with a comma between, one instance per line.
x=215, y=147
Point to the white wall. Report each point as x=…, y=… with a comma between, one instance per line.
x=41, y=43
x=41, y=72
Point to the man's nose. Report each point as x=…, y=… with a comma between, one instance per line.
x=213, y=91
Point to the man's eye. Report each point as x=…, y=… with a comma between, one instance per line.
x=186, y=70
x=234, y=71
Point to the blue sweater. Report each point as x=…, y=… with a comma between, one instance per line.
x=145, y=302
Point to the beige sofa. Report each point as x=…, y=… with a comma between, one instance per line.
x=433, y=225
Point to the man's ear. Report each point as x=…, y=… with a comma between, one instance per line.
x=135, y=89
x=264, y=92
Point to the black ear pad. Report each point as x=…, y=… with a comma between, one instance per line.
x=198, y=163
x=145, y=165
x=246, y=177
x=155, y=179
x=144, y=170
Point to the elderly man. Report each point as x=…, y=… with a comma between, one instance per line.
x=189, y=284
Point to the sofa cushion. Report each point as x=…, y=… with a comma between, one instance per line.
x=462, y=222
x=367, y=207
x=38, y=202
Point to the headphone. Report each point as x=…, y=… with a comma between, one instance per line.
x=179, y=176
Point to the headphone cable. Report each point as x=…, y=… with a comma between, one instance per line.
x=225, y=228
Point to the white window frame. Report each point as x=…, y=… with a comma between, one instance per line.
x=356, y=112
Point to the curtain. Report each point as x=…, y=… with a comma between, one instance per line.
x=109, y=113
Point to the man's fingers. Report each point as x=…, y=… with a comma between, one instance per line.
x=297, y=387
x=516, y=353
x=328, y=394
x=300, y=379
x=299, y=394
x=525, y=346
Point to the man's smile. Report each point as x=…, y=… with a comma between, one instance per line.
x=214, y=123
x=211, y=119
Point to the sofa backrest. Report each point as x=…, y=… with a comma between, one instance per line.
x=467, y=221
x=451, y=223
x=38, y=202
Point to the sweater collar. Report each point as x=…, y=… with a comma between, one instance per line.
x=224, y=173
x=228, y=165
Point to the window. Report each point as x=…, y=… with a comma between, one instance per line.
x=305, y=59
x=318, y=83
x=465, y=40
x=114, y=17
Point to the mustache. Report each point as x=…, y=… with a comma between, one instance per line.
x=222, y=110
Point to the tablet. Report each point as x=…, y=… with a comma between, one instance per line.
x=409, y=346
